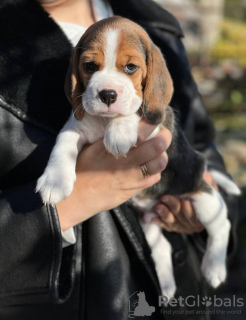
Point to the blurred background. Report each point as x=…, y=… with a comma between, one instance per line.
x=215, y=39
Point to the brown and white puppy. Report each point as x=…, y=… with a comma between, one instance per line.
x=116, y=76
x=116, y=54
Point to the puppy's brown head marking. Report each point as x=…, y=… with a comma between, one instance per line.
x=115, y=69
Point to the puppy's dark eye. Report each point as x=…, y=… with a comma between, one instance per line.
x=90, y=67
x=130, y=68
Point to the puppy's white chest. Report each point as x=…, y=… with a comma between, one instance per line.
x=120, y=133
x=93, y=128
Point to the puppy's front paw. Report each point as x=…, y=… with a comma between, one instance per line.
x=54, y=185
x=118, y=140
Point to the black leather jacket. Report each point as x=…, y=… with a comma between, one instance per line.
x=94, y=278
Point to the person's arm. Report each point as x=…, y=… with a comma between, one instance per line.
x=102, y=177
x=31, y=254
x=31, y=251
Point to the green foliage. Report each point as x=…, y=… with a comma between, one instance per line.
x=232, y=44
x=235, y=9
x=236, y=97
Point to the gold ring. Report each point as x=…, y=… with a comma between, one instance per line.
x=144, y=170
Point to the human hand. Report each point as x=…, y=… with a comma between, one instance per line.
x=178, y=215
x=104, y=182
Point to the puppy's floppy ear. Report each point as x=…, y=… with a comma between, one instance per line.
x=158, y=87
x=73, y=85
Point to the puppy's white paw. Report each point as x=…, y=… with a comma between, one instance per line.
x=120, y=136
x=55, y=185
x=168, y=289
x=119, y=143
x=213, y=270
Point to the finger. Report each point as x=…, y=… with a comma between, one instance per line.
x=190, y=215
x=187, y=216
x=187, y=209
x=199, y=228
x=189, y=212
x=188, y=222
x=176, y=222
x=181, y=219
x=162, y=224
x=144, y=130
x=171, y=227
x=154, y=166
x=165, y=134
x=144, y=183
x=165, y=214
x=150, y=149
x=173, y=203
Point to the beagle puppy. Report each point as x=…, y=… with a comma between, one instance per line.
x=116, y=76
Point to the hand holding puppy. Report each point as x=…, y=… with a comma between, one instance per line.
x=178, y=215
x=104, y=182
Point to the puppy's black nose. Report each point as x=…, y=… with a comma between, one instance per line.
x=108, y=96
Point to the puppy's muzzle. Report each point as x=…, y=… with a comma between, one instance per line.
x=108, y=96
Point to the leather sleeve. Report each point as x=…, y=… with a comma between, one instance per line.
x=33, y=266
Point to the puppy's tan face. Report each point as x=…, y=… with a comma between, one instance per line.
x=112, y=70
x=112, y=61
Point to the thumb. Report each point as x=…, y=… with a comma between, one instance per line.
x=144, y=130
